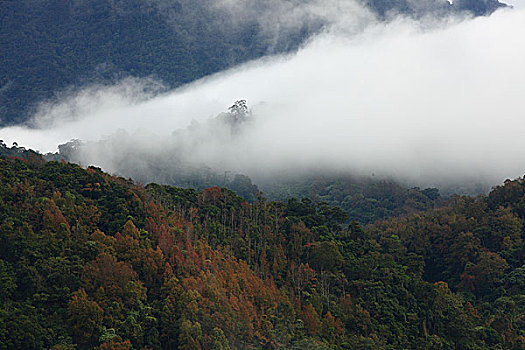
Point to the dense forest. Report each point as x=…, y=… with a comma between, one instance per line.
x=89, y=260
x=364, y=199
x=49, y=49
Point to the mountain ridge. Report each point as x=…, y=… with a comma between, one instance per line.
x=47, y=48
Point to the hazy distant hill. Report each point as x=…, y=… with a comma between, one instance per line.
x=363, y=199
x=49, y=46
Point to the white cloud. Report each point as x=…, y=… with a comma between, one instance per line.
x=428, y=103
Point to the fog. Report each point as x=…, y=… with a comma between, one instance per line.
x=425, y=101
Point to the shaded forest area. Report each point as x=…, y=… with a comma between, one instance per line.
x=89, y=260
x=365, y=199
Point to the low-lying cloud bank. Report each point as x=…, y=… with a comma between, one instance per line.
x=421, y=101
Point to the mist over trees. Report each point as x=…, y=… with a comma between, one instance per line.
x=50, y=48
x=175, y=162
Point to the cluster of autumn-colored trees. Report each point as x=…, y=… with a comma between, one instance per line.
x=89, y=260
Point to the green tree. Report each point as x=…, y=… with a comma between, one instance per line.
x=7, y=281
x=85, y=319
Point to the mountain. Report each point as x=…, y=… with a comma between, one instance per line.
x=49, y=48
x=89, y=260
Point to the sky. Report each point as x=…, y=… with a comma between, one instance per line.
x=428, y=101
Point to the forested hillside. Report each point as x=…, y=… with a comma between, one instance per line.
x=88, y=260
x=50, y=48
x=47, y=46
x=364, y=199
